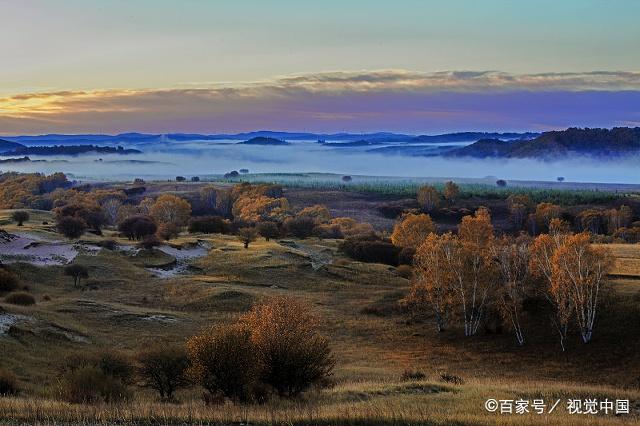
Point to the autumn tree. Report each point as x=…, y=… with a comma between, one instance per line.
x=451, y=192
x=432, y=284
x=171, y=209
x=512, y=261
x=137, y=227
x=412, y=230
x=247, y=235
x=545, y=212
x=579, y=270
x=319, y=213
x=20, y=216
x=293, y=353
x=541, y=258
x=428, y=198
x=519, y=206
x=471, y=262
x=223, y=360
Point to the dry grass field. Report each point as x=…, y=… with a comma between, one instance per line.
x=126, y=304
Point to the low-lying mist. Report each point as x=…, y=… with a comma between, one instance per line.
x=199, y=159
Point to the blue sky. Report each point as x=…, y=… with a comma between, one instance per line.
x=94, y=50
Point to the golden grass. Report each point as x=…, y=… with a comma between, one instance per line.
x=372, y=349
x=627, y=259
x=363, y=403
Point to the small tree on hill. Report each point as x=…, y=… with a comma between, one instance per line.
x=428, y=197
x=71, y=227
x=247, y=235
x=20, y=216
x=77, y=272
x=268, y=230
x=163, y=369
x=451, y=192
x=412, y=230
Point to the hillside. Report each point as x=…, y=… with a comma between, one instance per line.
x=6, y=146
x=601, y=143
x=70, y=150
x=260, y=140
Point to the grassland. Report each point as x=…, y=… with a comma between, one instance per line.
x=125, y=306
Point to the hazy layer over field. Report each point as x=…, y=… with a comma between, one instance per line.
x=208, y=157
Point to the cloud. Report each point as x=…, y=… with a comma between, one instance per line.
x=397, y=100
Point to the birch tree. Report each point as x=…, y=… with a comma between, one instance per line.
x=432, y=281
x=579, y=271
x=512, y=261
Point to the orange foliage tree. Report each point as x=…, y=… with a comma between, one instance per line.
x=412, y=230
x=428, y=197
x=171, y=209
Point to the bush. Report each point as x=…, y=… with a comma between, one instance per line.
x=224, y=362
x=208, y=225
x=8, y=383
x=268, y=230
x=71, y=227
x=94, y=377
x=107, y=244
x=167, y=231
x=137, y=227
x=163, y=369
x=293, y=354
x=410, y=375
x=300, y=226
x=149, y=242
x=20, y=298
x=247, y=235
x=451, y=378
x=8, y=281
x=20, y=216
x=89, y=384
x=369, y=249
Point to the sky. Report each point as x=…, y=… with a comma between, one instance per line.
x=72, y=66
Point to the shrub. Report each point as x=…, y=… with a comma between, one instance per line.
x=208, y=225
x=501, y=183
x=300, y=226
x=180, y=178
x=293, y=354
x=8, y=383
x=224, y=362
x=8, y=281
x=71, y=227
x=77, y=272
x=163, y=369
x=20, y=298
x=410, y=375
x=93, y=377
x=247, y=235
x=167, y=231
x=20, y=216
x=451, y=378
x=137, y=227
x=149, y=242
x=370, y=249
x=268, y=230
x=347, y=178
x=89, y=384
x=107, y=244
x=92, y=215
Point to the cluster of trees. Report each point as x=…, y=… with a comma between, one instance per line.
x=274, y=349
x=463, y=276
x=20, y=191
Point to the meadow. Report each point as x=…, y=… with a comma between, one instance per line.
x=125, y=305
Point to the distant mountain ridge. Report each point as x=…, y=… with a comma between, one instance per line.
x=604, y=143
x=143, y=138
